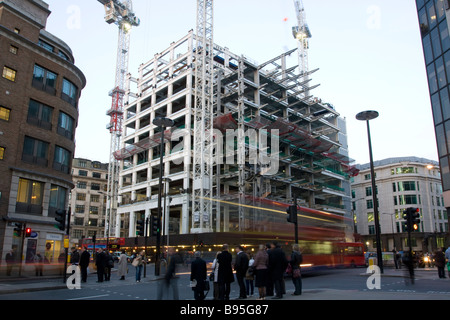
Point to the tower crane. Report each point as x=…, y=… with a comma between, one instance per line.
x=120, y=13
x=203, y=120
x=302, y=33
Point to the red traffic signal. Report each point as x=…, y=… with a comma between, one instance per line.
x=28, y=232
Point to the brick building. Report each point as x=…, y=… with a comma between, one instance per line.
x=39, y=91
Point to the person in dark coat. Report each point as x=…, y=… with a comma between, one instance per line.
x=100, y=262
x=296, y=260
x=84, y=263
x=439, y=259
x=241, y=266
x=109, y=264
x=225, y=273
x=277, y=266
x=198, y=273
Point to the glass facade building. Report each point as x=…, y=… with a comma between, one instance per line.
x=434, y=17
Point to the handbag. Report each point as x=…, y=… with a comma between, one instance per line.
x=296, y=273
x=135, y=262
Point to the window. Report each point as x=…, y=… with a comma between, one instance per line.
x=2, y=153
x=82, y=173
x=9, y=74
x=35, y=151
x=65, y=125
x=95, y=186
x=63, y=55
x=13, y=49
x=368, y=191
x=81, y=196
x=95, y=198
x=46, y=45
x=369, y=204
x=57, y=197
x=79, y=208
x=97, y=175
x=44, y=79
x=407, y=186
x=62, y=159
x=69, y=92
x=81, y=184
x=432, y=80
x=407, y=199
x=29, y=196
x=40, y=115
x=93, y=210
x=4, y=113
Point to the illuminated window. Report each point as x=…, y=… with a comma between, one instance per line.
x=4, y=113
x=2, y=153
x=9, y=74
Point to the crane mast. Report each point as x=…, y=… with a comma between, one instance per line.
x=120, y=13
x=203, y=120
x=302, y=33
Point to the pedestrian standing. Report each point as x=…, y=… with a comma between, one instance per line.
x=269, y=281
x=296, y=260
x=38, y=263
x=214, y=275
x=139, y=263
x=74, y=257
x=85, y=258
x=260, y=265
x=198, y=274
x=447, y=256
x=109, y=265
x=170, y=279
x=408, y=261
x=439, y=259
x=250, y=277
x=241, y=266
x=277, y=266
x=122, y=265
x=10, y=259
x=225, y=273
x=100, y=262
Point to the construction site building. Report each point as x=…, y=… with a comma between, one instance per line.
x=312, y=157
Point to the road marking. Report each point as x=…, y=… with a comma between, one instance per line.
x=91, y=297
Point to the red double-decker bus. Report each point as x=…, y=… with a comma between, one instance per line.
x=114, y=244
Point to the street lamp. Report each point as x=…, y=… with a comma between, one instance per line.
x=162, y=123
x=367, y=116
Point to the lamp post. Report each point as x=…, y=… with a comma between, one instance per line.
x=367, y=116
x=162, y=123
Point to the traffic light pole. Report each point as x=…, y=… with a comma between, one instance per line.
x=296, y=221
x=145, y=245
x=66, y=248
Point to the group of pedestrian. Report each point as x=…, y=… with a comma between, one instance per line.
x=104, y=263
x=264, y=271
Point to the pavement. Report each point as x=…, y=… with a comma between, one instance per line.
x=28, y=282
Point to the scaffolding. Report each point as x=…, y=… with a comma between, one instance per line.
x=271, y=100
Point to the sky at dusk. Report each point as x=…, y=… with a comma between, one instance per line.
x=369, y=54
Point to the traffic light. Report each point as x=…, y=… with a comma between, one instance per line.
x=292, y=214
x=61, y=219
x=415, y=218
x=154, y=226
x=28, y=232
x=412, y=217
x=17, y=229
x=140, y=227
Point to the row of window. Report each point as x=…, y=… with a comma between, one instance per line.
x=94, y=186
x=36, y=151
x=41, y=115
x=45, y=80
x=93, y=197
x=84, y=173
x=30, y=196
